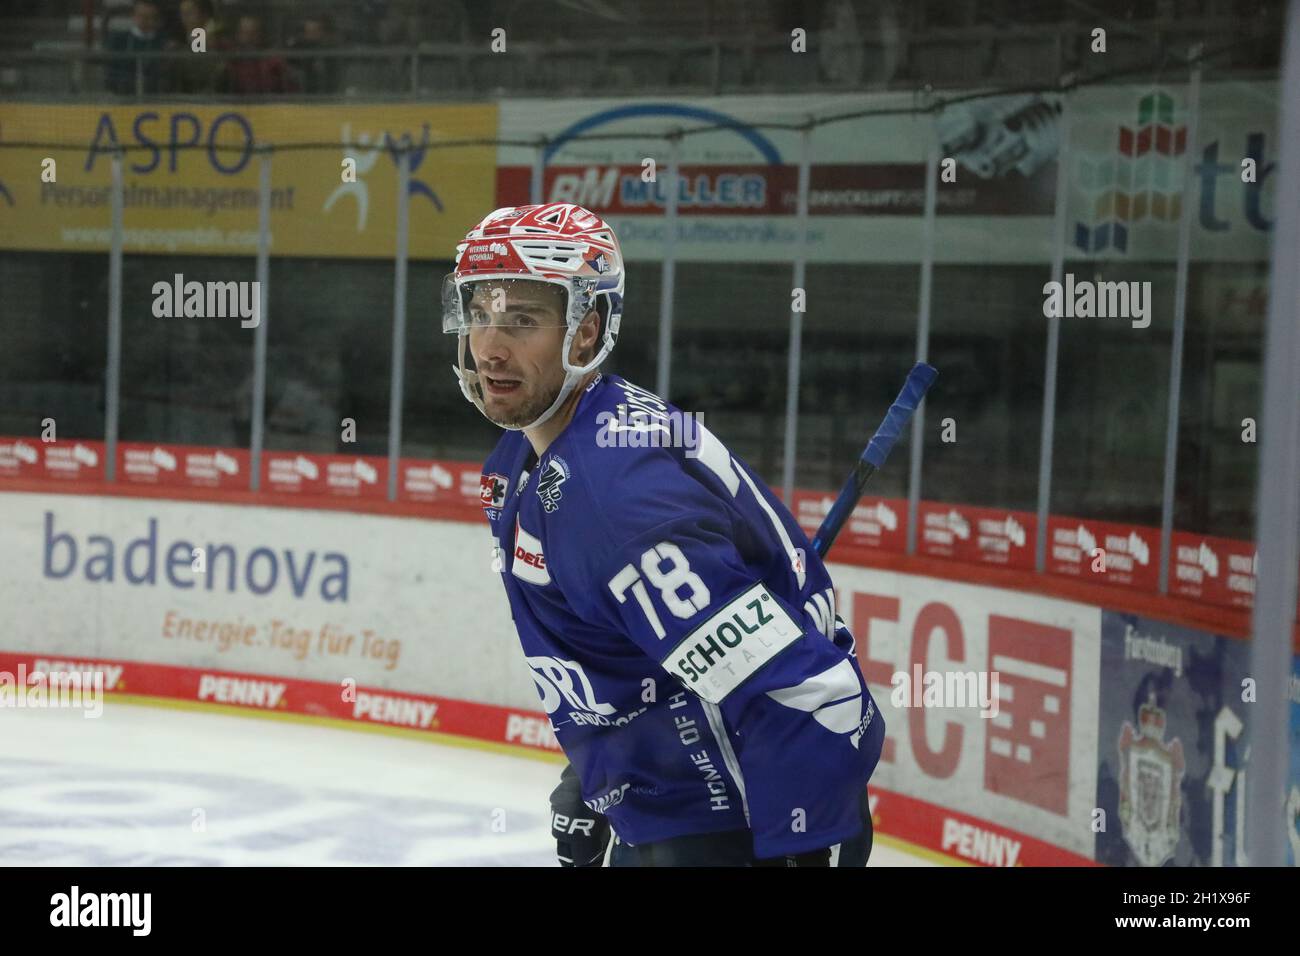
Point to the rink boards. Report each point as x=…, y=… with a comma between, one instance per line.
x=1120, y=738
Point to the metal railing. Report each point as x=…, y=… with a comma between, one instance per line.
x=937, y=59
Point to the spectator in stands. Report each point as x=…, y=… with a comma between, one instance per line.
x=144, y=36
x=370, y=15
x=317, y=74
x=840, y=48
x=250, y=75
x=198, y=72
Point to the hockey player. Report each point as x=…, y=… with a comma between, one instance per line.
x=681, y=632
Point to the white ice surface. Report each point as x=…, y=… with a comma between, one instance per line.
x=132, y=787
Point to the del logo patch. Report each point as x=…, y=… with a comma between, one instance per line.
x=529, y=563
x=492, y=490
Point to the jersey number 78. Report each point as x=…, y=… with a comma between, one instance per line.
x=677, y=576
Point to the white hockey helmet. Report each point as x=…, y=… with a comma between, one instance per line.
x=558, y=243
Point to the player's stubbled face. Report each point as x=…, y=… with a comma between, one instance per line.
x=519, y=362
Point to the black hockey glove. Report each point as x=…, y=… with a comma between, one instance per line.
x=581, y=834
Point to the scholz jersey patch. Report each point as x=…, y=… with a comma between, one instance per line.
x=717, y=657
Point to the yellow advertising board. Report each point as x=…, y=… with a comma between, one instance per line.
x=191, y=177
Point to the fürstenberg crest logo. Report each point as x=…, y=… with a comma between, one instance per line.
x=554, y=474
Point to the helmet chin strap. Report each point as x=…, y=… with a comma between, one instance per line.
x=471, y=385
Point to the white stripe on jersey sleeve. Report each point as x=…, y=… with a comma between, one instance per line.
x=824, y=696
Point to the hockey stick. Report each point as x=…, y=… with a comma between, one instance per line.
x=873, y=457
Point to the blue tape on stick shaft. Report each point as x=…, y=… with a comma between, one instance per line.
x=918, y=383
x=839, y=514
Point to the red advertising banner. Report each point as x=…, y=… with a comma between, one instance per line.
x=21, y=458
x=67, y=460
x=980, y=535
x=441, y=482
x=875, y=522
x=766, y=189
x=1214, y=570
x=1104, y=552
x=349, y=476
x=182, y=466
x=287, y=695
x=953, y=833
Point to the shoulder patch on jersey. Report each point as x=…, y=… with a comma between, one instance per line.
x=554, y=474
x=492, y=490
x=529, y=563
x=720, y=654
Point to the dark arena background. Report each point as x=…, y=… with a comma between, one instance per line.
x=251, y=515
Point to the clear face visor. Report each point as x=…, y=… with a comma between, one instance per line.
x=513, y=303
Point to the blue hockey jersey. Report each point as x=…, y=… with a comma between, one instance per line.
x=680, y=630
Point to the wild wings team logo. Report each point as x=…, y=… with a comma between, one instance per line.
x=555, y=474
x=492, y=490
x=1150, y=780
